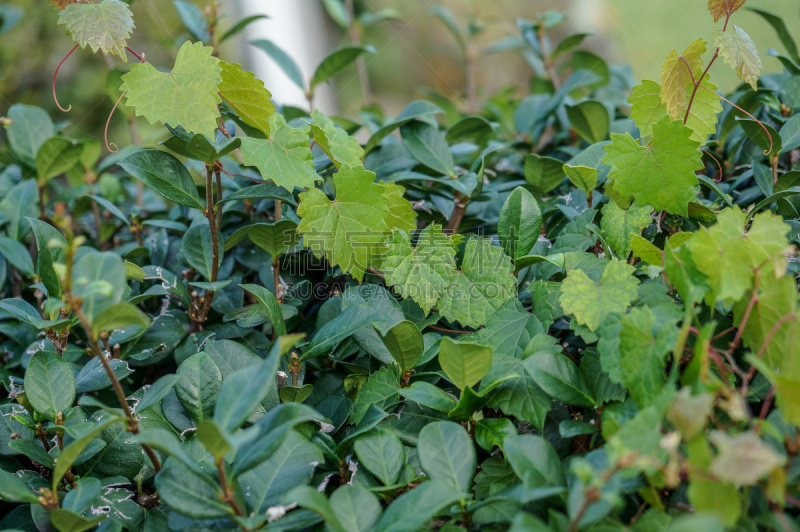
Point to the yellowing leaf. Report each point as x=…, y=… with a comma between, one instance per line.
x=285, y=157
x=186, y=97
x=721, y=8
x=106, y=26
x=702, y=119
x=660, y=174
x=247, y=96
x=348, y=229
x=675, y=76
x=647, y=109
x=743, y=459
x=422, y=272
x=619, y=225
x=485, y=281
x=740, y=53
x=591, y=302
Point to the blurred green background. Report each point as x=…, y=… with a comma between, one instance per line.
x=413, y=54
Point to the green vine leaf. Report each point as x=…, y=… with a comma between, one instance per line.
x=247, y=96
x=334, y=141
x=485, y=282
x=422, y=272
x=702, y=119
x=285, y=157
x=675, y=76
x=739, y=51
x=619, y=225
x=401, y=212
x=647, y=109
x=187, y=96
x=727, y=254
x=661, y=174
x=350, y=228
x=591, y=302
x=106, y=26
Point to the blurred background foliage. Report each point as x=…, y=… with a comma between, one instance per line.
x=414, y=53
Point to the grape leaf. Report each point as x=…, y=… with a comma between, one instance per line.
x=334, y=141
x=423, y=272
x=105, y=26
x=619, y=225
x=702, y=119
x=591, y=302
x=247, y=96
x=660, y=174
x=727, y=254
x=740, y=53
x=485, y=281
x=401, y=213
x=776, y=298
x=647, y=109
x=349, y=228
x=186, y=97
x=285, y=157
x=721, y=8
x=675, y=76
x=644, y=340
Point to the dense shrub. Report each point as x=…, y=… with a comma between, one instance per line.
x=573, y=311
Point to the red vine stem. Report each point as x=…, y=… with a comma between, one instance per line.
x=55, y=75
x=719, y=166
x=139, y=57
x=105, y=133
x=771, y=145
x=241, y=175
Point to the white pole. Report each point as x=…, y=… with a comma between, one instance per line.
x=301, y=29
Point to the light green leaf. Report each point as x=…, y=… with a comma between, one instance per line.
x=283, y=60
x=660, y=174
x=464, y=363
x=422, y=273
x=534, y=460
x=739, y=51
x=31, y=126
x=285, y=157
x=619, y=225
x=119, y=316
x=334, y=141
x=69, y=521
x=591, y=302
x=296, y=394
x=446, y=453
x=348, y=229
x=14, y=489
x=199, y=385
x=187, y=96
x=558, y=376
x=357, y=508
x=17, y=255
x=727, y=254
x=485, y=282
x=583, y=177
x=703, y=114
x=106, y=26
x=247, y=96
x=401, y=212
x=647, y=109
